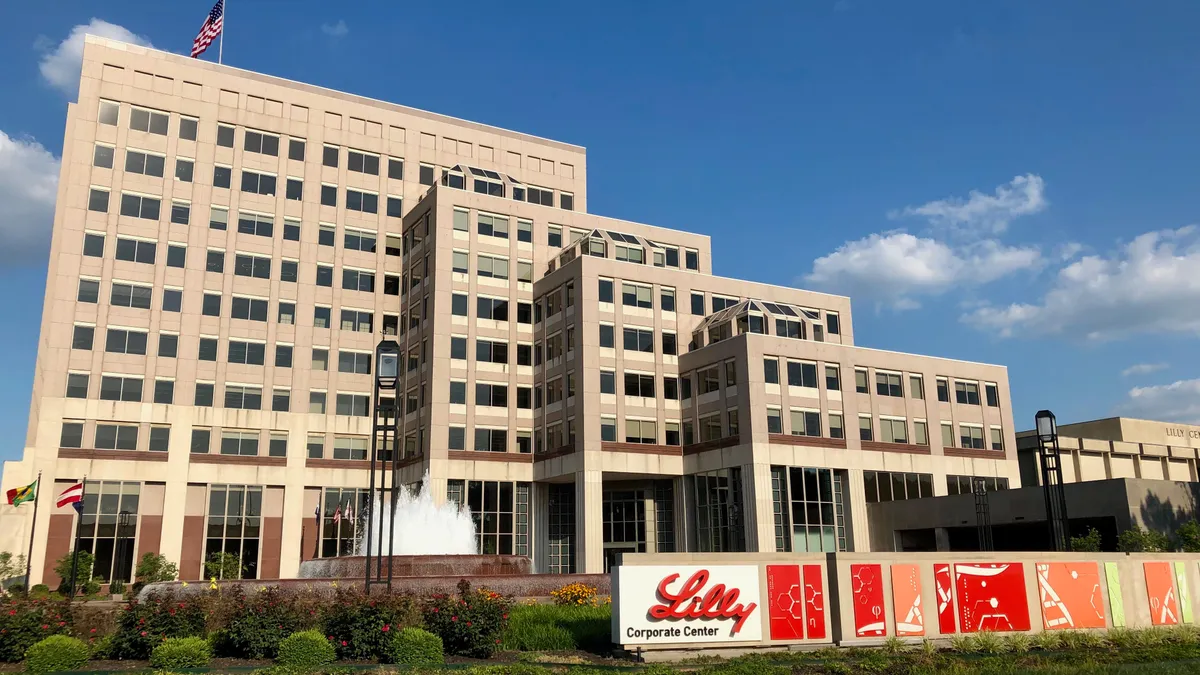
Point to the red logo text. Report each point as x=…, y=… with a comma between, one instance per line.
x=717, y=603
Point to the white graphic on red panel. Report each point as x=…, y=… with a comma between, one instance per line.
x=792, y=602
x=906, y=594
x=945, y=598
x=867, y=588
x=1166, y=616
x=1063, y=586
x=991, y=596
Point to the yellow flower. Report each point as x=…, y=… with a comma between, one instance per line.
x=333, y=583
x=184, y=584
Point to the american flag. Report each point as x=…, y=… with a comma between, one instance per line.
x=73, y=496
x=210, y=30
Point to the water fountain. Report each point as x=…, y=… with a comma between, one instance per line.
x=425, y=538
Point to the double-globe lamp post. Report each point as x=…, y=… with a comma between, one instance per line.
x=383, y=422
x=1052, y=483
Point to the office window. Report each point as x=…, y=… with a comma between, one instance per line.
x=136, y=250
x=920, y=433
x=865, y=429
x=215, y=262
x=71, y=435
x=771, y=370
x=638, y=340
x=289, y=271
x=916, y=387
x=525, y=271
x=239, y=397
x=801, y=374
x=294, y=189
x=635, y=295
x=184, y=169
x=244, y=443
x=256, y=224
x=121, y=341
x=997, y=438
x=641, y=431
x=316, y=402
x=774, y=421
x=218, y=218
x=115, y=388
x=363, y=202
x=144, y=163
x=222, y=176
x=491, y=395
x=458, y=347
x=172, y=299
x=357, y=320
x=247, y=353
x=361, y=162
x=287, y=313
x=669, y=345
x=98, y=200
x=967, y=393
x=457, y=438
x=224, y=136
x=116, y=436
x=395, y=168
x=109, y=111
x=789, y=329
x=354, y=362
x=204, y=395
x=692, y=258
x=493, y=226
x=947, y=435
x=328, y=195
x=93, y=245
x=358, y=280
x=806, y=422
x=491, y=351
x=176, y=256
x=150, y=121
x=971, y=436
x=993, y=394
x=251, y=266
x=89, y=291
x=164, y=391
x=860, y=381
x=258, y=183
x=425, y=174
x=494, y=309
x=128, y=295
x=359, y=240
x=353, y=404
x=493, y=267
x=251, y=309
x=639, y=384
x=139, y=206
x=329, y=156
x=536, y=195
x=943, y=390
x=283, y=356
x=160, y=439
x=888, y=384
x=893, y=430
x=697, y=304
x=885, y=486
x=835, y=426
x=554, y=236
x=82, y=337
x=77, y=385
x=350, y=447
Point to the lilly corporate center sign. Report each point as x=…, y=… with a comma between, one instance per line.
x=674, y=604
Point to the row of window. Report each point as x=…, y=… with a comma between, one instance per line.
x=891, y=384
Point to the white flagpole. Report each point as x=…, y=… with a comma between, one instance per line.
x=221, y=46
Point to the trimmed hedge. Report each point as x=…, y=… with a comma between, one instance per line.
x=306, y=649
x=184, y=652
x=415, y=647
x=56, y=653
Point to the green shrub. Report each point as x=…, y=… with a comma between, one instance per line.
x=39, y=591
x=83, y=573
x=256, y=624
x=116, y=587
x=55, y=654
x=553, y=628
x=184, y=652
x=1088, y=543
x=16, y=589
x=143, y=625
x=1047, y=640
x=100, y=647
x=91, y=587
x=1137, y=540
x=536, y=637
x=153, y=568
x=360, y=626
x=305, y=649
x=23, y=623
x=415, y=647
x=469, y=624
x=223, y=566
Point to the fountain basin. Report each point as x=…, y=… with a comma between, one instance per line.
x=355, y=566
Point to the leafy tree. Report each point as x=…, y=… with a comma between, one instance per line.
x=153, y=568
x=223, y=566
x=1188, y=536
x=1088, y=543
x=1138, y=540
x=82, y=575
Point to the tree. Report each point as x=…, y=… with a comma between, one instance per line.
x=153, y=568
x=82, y=575
x=223, y=566
x=1137, y=540
x=11, y=566
x=1088, y=543
x=1188, y=536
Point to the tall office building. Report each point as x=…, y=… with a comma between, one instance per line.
x=229, y=248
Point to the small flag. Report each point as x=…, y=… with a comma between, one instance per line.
x=350, y=513
x=210, y=30
x=337, y=515
x=73, y=496
x=20, y=495
x=317, y=512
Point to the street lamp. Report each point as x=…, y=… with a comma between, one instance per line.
x=1052, y=483
x=124, y=542
x=384, y=421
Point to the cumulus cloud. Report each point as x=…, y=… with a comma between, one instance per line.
x=61, y=64
x=983, y=214
x=1143, y=369
x=895, y=267
x=1175, y=402
x=1148, y=286
x=28, y=186
x=336, y=30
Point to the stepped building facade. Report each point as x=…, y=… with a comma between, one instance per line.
x=228, y=249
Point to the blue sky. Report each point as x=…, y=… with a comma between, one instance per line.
x=1002, y=182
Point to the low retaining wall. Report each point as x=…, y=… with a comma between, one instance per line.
x=672, y=601
x=519, y=586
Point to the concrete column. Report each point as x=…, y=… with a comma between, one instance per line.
x=178, y=459
x=293, y=502
x=941, y=537
x=760, y=510
x=589, y=522
x=539, y=525
x=856, y=513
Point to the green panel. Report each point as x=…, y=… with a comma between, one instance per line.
x=1114, y=594
x=1185, y=598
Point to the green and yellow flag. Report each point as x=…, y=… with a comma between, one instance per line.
x=20, y=495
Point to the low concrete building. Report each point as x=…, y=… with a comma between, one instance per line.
x=1117, y=473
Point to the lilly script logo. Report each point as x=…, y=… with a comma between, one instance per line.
x=718, y=602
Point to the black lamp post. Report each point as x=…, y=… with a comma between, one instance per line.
x=384, y=421
x=1052, y=484
x=983, y=514
x=124, y=542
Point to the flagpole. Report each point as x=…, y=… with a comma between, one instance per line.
x=317, y=539
x=75, y=554
x=37, y=496
x=221, y=45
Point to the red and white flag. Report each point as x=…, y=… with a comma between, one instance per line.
x=210, y=30
x=337, y=515
x=72, y=495
x=350, y=513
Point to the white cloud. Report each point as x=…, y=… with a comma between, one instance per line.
x=893, y=267
x=1150, y=285
x=981, y=214
x=337, y=30
x=1143, y=369
x=62, y=64
x=1175, y=402
x=28, y=187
